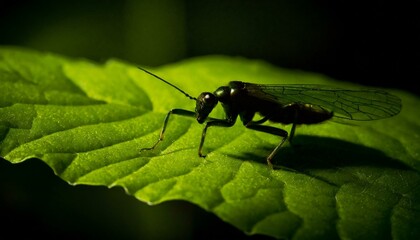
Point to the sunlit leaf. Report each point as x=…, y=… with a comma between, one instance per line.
x=88, y=121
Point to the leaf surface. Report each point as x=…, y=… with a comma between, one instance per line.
x=87, y=121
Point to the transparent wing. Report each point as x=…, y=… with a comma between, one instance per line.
x=358, y=104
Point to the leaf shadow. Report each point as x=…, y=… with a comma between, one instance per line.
x=312, y=152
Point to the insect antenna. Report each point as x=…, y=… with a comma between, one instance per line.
x=163, y=80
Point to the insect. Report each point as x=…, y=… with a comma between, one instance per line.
x=286, y=104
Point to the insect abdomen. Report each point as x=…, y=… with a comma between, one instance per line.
x=300, y=114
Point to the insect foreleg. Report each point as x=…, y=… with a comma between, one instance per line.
x=271, y=130
x=175, y=111
x=214, y=122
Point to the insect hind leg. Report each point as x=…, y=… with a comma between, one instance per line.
x=272, y=130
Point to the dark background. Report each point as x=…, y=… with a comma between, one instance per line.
x=373, y=43
x=370, y=42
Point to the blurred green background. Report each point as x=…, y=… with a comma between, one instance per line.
x=372, y=43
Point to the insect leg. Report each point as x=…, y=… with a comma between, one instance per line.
x=292, y=132
x=215, y=122
x=271, y=130
x=175, y=111
x=261, y=121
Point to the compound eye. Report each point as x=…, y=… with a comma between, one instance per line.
x=209, y=99
x=205, y=104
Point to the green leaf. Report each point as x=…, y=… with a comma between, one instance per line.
x=87, y=121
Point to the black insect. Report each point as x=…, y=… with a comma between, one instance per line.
x=287, y=104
